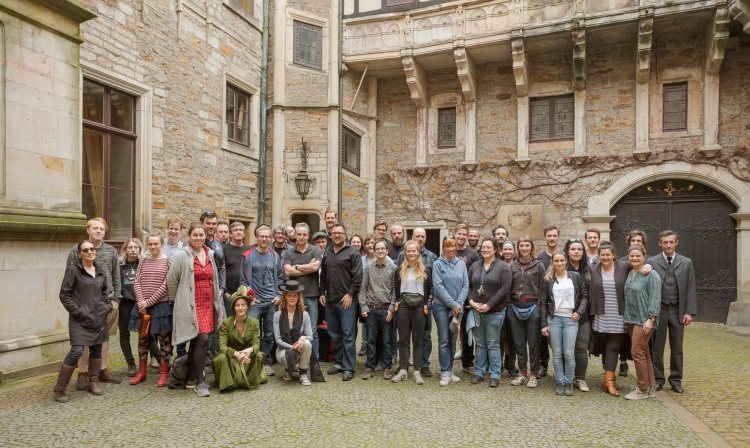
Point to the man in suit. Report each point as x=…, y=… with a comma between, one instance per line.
x=678, y=306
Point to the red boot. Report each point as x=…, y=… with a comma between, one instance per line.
x=163, y=374
x=141, y=375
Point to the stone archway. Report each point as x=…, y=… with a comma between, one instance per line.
x=734, y=190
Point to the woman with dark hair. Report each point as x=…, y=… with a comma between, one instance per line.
x=508, y=254
x=578, y=261
x=83, y=293
x=450, y=288
x=357, y=242
x=239, y=362
x=525, y=318
x=130, y=258
x=642, y=306
x=564, y=300
x=489, y=283
x=413, y=286
x=153, y=300
x=193, y=284
x=293, y=332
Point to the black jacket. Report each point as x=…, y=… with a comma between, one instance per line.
x=341, y=273
x=85, y=298
x=547, y=302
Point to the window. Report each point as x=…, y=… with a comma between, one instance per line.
x=109, y=158
x=447, y=127
x=552, y=118
x=350, y=151
x=675, y=107
x=390, y=3
x=238, y=115
x=308, y=42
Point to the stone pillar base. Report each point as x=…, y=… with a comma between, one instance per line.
x=739, y=314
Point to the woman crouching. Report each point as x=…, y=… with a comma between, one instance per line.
x=293, y=332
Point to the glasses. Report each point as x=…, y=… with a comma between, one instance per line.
x=264, y=237
x=207, y=214
x=338, y=233
x=380, y=230
x=86, y=250
x=575, y=240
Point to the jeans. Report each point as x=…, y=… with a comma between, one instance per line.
x=582, y=349
x=410, y=323
x=263, y=311
x=311, y=305
x=76, y=351
x=489, y=355
x=526, y=333
x=562, y=338
x=446, y=337
x=126, y=307
x=342, y=327
x=375, y=323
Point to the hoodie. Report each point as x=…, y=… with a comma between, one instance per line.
x=450, y=282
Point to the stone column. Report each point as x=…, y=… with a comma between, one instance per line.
x=739, y=311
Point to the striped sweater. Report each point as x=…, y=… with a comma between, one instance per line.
x=151, y=281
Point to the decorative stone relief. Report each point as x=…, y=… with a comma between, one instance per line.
x=520, y=67
x=645, y=29
x=521, y=219
x=466, y=73
x=415, y=79
x=740, y=11
x=718, y=40
x=579, y=58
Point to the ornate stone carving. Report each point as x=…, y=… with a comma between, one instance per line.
x=671, y=188
x=718, y=43
x=579, y=58
x=520, y=66
x=713, y=229
x=645, y=29
x=466, y=73
x=519, y=219
x=719, y=289
x=740, y=11
x=416, y=80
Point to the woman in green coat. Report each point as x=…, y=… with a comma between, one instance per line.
x=239, y=362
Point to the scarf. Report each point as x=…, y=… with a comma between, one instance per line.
x=291, y=335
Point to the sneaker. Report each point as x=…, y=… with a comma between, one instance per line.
x=519, y=380
x=202, y=390
x=651, y=392
x=379, y=367
x=425, y=371
x=457, y=355
x=417, y=378
x=476, y=379
x=532, y=381
x=542, y=372
x=190, y=384
x=400, y=376
x=581, y=385
x=469, y=370
x=637, y=394
x=494, y=382
x=335, y=370
x=387, y=375
x=455, y=379
x=304, y=380
x=367, y=374
x=623, y=368
x=445, y=380
x=347, y=376
x=287, y=375
x=154, y=363
x=560, y=389
x=269, y=371
x=568, y=390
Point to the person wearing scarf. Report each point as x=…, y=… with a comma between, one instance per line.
x=293, y=332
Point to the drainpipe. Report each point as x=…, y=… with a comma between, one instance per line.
x=263, y=133
x=341, y=103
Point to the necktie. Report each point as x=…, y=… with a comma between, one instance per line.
x=669, y=260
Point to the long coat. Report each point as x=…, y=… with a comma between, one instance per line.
x=181, y=286
x=86, y=300
x=685, y=274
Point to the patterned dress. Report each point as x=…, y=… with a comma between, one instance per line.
x=204, y=295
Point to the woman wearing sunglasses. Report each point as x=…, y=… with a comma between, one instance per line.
x=83, y=293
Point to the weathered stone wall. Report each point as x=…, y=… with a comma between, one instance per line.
x=191, y=172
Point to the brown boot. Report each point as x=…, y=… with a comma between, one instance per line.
x=163, y=374
x=62, y=383
x=141, y=375
x=82, y=383
x=610, y=384
x=105, y=376
x=94, y=366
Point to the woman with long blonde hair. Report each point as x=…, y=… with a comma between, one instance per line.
x=412, y=286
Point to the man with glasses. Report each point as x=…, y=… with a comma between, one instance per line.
x=379, y=230
x=106, y=258
x=301, y=263
x=340, y=280
x=263, y=272
x=210, y=221
x=233, y=254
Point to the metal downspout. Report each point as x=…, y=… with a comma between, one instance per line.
x=341, y=106
x=263, y=131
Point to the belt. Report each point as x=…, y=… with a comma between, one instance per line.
x=378, y=307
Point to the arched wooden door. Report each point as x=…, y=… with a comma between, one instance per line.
x=701, y=217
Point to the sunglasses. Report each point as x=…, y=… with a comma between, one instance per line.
x=207, y=214
x=449, y=237
x=86, y=250
x=575, y=240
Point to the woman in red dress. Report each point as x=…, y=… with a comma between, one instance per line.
x=193, y=284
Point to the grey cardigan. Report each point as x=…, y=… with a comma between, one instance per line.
x=181, y=286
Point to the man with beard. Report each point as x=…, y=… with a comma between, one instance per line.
x=396, y=246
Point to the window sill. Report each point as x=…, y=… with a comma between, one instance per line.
x=242, y=150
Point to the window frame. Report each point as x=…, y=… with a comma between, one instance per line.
x=683, y=85
x=440, y=123
x=107, y=131
x=395, y=3
x=552, y=121
x=248, y=114
x=298, y=25
x=358, y=138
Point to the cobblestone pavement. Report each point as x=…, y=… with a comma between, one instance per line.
x=714, y=410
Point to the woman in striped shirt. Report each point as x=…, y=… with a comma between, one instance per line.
x=152, y=298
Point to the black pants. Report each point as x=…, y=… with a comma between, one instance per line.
x=197, y=357
x=467, y=350
x=669, y=321
x=376, y=326
x=507, y=346
x=125, y=308
x=613, y=342
x=543, y=351
x=410, y=322
x=76, y=351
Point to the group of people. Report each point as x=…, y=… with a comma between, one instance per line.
x=239, y=308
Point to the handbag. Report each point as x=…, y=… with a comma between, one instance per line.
x=412, y=299
x=524, y=313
